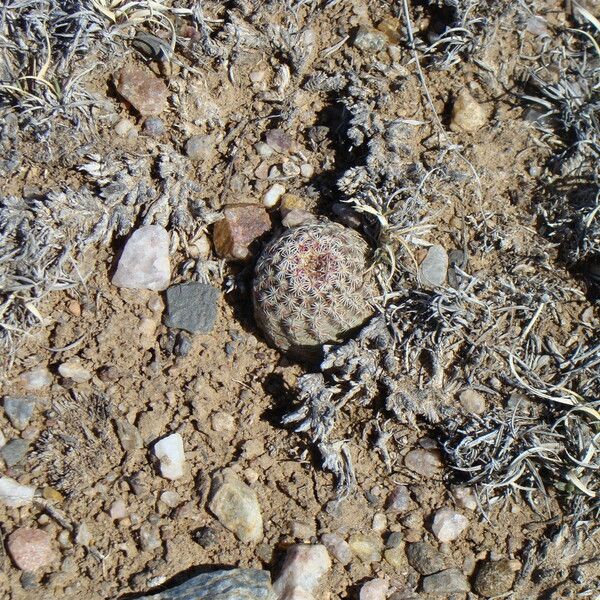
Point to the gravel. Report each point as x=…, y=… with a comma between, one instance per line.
x=192, y=307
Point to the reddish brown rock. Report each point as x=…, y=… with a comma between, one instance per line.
x=30, y=549
x=241, y=226
x=142, y=89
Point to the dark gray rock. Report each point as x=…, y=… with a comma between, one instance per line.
x=19, y=410
x=235, y=584
x=496, y=577
x=424, y=558
x=14, y=451
x=192, y=307
x=154, y=127
x=450, y=581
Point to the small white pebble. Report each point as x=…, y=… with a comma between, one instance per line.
x=272, y=196
x=263, y=149
x=379, y=522
x=170, y=498
x=36, y=378
x=13, y=494
x=306, y=170
x=84, y=536
x=169, y=452
x=376, y=589
x=73, y=369
x=123, y=127
x=448, y=524
x=118, y=510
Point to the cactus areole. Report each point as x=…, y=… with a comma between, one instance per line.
x=312, y=286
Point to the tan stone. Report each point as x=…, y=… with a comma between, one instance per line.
x=142, y=89
x=467, y=114
x=242, y=225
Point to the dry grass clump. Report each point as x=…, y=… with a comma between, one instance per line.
x=494, y=332
x=564, y=105
x=79, y=447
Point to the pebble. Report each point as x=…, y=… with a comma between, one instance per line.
x=465, y=497
x=262, y=171
x=370, y=39
x=303, y=567
x=263, y=150
x=424, y=558
x=205, y=537
x=496, y=577
x=290, y=169
x=84, y=536
x=398, y=500
x=149, y=537
x=29, y=580
x=467, y=114
x=75, y=371
x=395, y=555
x=36, y=379
x=376, y=589
x=229, y=584
x=123, y=127
x=279, y=140
x=14, y=451
x=379, y=522
x=52, y=495
x=296, y=217
x=434, y=268
x=222, y=422
x=170, y=498
x=169, y=452
x=154, y=127
x=424, y=462
x=64, y=539
x=307, y=170
x=129, y=436
x=366, y=547
x=200, y=147
x=142, y=89
x=448, y=525
x=450, y=581
x=144, y=263
x=30, y=549
x=241, y=226
x=273, y=194
x=19, y=410
x=13, y=494
x=236, y=506
x=472, y=401
x=337, y=547
x=118, y=510
x=192, y=307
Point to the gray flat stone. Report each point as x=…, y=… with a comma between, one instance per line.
x=14, y=451
x=192, y=307
x=450, y=581
x=425, y=558
x=19, y=410
x=434, y=268
x=235, y=584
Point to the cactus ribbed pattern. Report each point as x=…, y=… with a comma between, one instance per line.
x=312, y=285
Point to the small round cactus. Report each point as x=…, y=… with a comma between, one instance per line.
x=312, y=286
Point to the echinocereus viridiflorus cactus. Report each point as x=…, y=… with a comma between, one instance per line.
x=312, y=286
